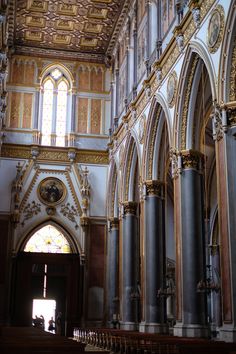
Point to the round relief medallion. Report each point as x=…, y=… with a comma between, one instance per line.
x=51, y=191
x=215, y=29
x=171, y=89
x=141, y=129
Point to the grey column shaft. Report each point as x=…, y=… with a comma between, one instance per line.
x=155, y=259
x=129, y=263
x=113, y=267
x=193, y=255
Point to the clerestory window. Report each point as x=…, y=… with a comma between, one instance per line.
x=54, y=108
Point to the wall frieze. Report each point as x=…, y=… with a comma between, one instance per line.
x=53, y=154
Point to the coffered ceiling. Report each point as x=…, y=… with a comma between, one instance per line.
x=82, y=28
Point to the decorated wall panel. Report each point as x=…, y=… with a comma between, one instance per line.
x=82, y=115
x=27, y=110
x=141, y=52
x=22, y=72
x=20, y=115
x=15, y=99
x=84, y=79
x=96, y=78
x=96, y=106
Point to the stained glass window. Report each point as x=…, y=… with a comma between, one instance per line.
x=48, y=240
x=54, y=112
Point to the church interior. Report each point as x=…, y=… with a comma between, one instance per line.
x=118, y=175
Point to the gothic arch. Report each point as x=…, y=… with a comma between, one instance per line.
x=75, y=247
x=196, y=64
x=131, y=159
x=159, y=114
x=62, y=67
x=112, y=190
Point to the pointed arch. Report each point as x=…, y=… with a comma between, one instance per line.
x=112, y=202
x=158, y=116
x=75, y=247
x=196, y=68
x=131, y=163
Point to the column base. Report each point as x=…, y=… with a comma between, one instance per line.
x=228, y=334
x=153, y=328
x=129, y=326
x=181, y=330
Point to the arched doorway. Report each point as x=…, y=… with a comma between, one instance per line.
x=47, y=267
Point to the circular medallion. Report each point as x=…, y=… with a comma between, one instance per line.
x=171, y=89
x=215, y=29
x=51, y=191
x=141, y=129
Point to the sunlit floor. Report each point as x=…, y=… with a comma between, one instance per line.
x=43, y=311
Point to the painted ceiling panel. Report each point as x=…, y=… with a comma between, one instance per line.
x=84, y=26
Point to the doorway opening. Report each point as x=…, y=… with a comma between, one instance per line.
x=43, y=311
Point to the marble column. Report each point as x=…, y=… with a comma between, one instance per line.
x=113, y=270
x=129, y=267
x=192, y=251
x=224, y=133
x=155, y=267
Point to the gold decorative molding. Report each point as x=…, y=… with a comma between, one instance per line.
x=130, y=207
x=93, y=27
x=215, y=29
x=154, y=188
x=152, y=142
x=128, y=168
x=61, y=39
x=184, y=119
x=232, y=81
x=54, y=154
x=172, y=89
x=192, y=159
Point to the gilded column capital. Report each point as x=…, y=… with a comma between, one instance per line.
x=130, y=207
x=154, y=187
x=114, y=223
x=232, y=116
x=192, y=159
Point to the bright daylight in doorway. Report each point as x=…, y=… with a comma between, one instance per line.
x=42, y=312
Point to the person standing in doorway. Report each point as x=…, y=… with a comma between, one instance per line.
x=58, y=323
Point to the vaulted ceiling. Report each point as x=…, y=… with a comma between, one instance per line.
x=84, y=29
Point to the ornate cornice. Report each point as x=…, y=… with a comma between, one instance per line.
x=154, y=188
x=192, y=159
x=54, y=154
x=130, y=207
